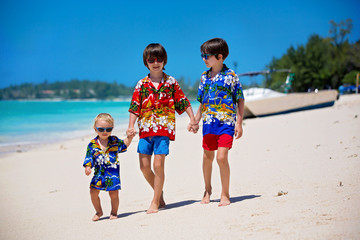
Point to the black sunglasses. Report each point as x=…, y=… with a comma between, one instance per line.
x=152, y=60
x=104, y=129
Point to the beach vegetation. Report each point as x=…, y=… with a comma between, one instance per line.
x=350, y=78
x=73, y=89
x=322, y=63
x=82, y=89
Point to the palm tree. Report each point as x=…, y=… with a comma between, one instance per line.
x=108, y=182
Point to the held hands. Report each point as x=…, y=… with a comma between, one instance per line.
x=131, y=132
x=87, y=170
x=193, y=127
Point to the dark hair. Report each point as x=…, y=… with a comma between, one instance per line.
x=215, y=46
x=154, y=50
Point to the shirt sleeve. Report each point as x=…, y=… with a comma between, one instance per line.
x=237, y=91
x=181, y=101
x=136, y=101
x=88, y=162
x=121, y=146
x=200, y=95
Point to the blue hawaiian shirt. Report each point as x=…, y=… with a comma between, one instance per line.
x=106, y=164
x=219, y=97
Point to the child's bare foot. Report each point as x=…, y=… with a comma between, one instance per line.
x=150, y=211
x=113, y=216
x=224, y=201
x=97, y=216
x=154, y=208
x=206, y=198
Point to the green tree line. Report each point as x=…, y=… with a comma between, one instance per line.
x=322, y=63
x=79, y=89
x=74, y=89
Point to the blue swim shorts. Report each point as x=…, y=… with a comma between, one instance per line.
x=157, y=145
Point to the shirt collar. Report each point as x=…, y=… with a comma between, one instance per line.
x=223, y=71
x=96, y=143
x=164, y=79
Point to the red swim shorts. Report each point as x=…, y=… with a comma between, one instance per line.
x=212, y=142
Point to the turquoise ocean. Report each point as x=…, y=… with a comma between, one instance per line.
x=34, y=122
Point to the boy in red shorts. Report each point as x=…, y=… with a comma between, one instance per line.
x=221, y=108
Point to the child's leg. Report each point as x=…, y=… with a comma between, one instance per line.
x=222, y=159
x=159, y=165
x=94, y=194
x=145, y=166
x=208, y=158
x=114, y=196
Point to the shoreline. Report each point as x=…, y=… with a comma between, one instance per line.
x=22, y=147
x=25, y=142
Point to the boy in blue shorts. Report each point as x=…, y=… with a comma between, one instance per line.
x=155, y=100
x=221, y=108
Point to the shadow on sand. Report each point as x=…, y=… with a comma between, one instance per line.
x=180, y=204
x=122, y=215
x=189, y=202
x=186, y=203
x=239, y=199
x=168, y=206
x=242, y=198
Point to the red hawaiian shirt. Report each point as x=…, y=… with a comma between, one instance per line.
x=155, y=107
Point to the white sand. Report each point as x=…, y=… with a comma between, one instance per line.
x=313, y=155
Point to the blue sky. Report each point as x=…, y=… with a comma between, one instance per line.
x=104, y=40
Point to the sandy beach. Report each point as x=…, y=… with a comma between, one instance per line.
x=312, y=156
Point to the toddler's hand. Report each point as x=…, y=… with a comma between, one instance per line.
x=87, y=170
x=131, y=132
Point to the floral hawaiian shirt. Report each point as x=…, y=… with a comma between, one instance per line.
x=106, y=164
x=155, y=107
x=219, y=97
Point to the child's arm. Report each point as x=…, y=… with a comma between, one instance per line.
x=132, y=120
x=239, y=119
x=198, y=114
x=88, y=162
x=130, y=132
x=130, y=135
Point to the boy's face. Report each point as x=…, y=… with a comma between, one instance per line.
x=212, y=61
x=155, y=64
x=103, y=129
